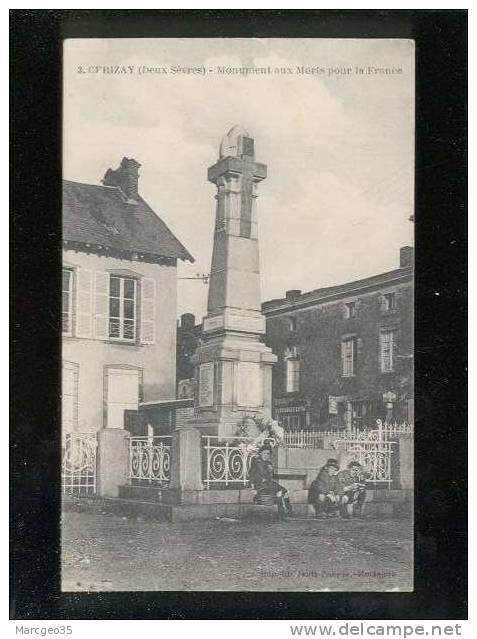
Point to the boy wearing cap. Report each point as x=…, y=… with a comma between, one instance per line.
x=323, y=491
x=261, y=478
x=352, y=490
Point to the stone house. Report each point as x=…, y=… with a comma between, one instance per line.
x=345, y=353
x=119, y=302
x=188, y=335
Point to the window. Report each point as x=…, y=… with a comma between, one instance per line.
x=389, y=301
x=348, y=356
x=67, y=301
x=292, y=421
x=249, y=384
x=292, y=324
x=122, y=308
x=351, y=310
x=366, y=412
x=387, y=343
x=292, y=375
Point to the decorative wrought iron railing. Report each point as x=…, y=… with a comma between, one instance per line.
x=78, y=464
x=150, y=460
x=373, y=450
x=227, y=461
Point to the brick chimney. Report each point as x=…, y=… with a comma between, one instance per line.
x=126, y=177
x=187, y=321
x=293, y=295
x=406, y=256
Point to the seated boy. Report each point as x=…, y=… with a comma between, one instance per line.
x=352, y=490
x=323, y=491
x=261, y=478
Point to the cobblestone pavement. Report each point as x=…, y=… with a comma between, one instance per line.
x=106, y=553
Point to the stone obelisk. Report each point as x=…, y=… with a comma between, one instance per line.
x=234, y=367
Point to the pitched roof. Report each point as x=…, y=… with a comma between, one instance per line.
x=320, y=295
x=102, y=215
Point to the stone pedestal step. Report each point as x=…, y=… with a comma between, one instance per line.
x=383, y=494
x=172, y=497
x=135, y=508
x=142, y=493
x=131, y=508
x=298, y=494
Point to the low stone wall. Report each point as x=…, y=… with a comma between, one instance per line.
x=306, y=461
x=112, y=461
x=295, y=468
x=406, y=462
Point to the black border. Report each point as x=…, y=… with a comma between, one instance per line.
x=441, y=331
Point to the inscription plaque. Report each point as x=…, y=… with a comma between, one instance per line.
x=249, y=388
x=206, y=384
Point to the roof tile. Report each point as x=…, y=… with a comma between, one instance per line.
x=102, y=215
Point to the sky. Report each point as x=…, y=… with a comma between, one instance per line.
x=339, y=146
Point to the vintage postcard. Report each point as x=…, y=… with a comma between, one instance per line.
x=238, y=276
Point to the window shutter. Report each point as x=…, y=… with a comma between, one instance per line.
x=148, y=311
x=84, y=295
x=101, y=304
x=69, y=397
x=394, y=346
x=343, y=352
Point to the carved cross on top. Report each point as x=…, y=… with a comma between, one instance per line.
x=247, y=196
x=242, y=164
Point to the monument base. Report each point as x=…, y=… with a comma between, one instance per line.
x=235, y=381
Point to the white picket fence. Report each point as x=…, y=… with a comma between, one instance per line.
x=305, y=438
x=321, y=438
x=396, y=430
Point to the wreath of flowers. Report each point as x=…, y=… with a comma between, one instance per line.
x=263, y=425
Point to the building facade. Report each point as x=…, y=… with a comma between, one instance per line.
x=188, y=336
x=345, y=353
x=119, y=302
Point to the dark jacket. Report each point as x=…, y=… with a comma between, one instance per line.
x=261, y=472
x=324, y=484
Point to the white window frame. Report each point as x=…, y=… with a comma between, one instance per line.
x=121, y=318
x=69, y=313
x=348, y=359
x=351, y=309
x=387, y=340
x=389, y=301
x=292, y=374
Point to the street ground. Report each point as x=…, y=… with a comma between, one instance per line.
x=109, y=553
